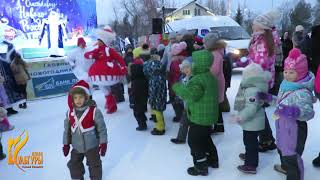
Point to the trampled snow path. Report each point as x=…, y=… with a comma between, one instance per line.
x=138, y=155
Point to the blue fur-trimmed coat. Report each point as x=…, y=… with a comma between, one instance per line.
x=155, y=72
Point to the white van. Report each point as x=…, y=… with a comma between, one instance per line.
x=236, y=37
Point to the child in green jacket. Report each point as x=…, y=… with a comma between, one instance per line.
x=201, y=97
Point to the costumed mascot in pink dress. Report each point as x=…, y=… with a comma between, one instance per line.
x=108, y=68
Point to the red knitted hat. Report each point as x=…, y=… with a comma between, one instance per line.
x=80, y=84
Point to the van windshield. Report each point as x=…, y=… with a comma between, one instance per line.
x=231, y=32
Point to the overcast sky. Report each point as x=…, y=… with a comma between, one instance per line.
x=258, y=6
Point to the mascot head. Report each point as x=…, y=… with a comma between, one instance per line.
x=106, y=35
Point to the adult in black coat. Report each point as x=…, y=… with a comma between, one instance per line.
x=315, y=39
x=139, y=95
x=286, y=45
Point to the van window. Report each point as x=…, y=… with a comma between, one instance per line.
x=231, y=32
x=204, y=32
x=194, y=31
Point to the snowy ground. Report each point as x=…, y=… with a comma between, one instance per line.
x=138, y=155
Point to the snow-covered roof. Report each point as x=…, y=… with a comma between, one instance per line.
x=200, y=22
x=194, y=1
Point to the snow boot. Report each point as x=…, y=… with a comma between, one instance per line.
x=177, y=141
x=247, y=169
x=267, y=146
x=23, y=106
x=316, y=161
x=279, y=169
x=200, y=168
x=11, y=111
x=111, y=104
x=157, y=132
x=142, y=127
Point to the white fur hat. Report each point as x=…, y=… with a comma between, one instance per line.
x=255, y=70
x=106, y=35
x=266, y=21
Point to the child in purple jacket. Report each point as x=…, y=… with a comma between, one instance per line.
x=294, y=109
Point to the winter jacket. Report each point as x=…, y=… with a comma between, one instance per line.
x=166, y=58
x=298, y=94
x=253, y=114
x=258, y=53
x=286, y=48
x=156, y=75
x=84, y=141
x=278, y=51
x=20, y=72
x=201, y=92
x=79, y=64
x=217, y=71
x=139, y=88
x=128, y=58
x=295, y=103
x=174, y=73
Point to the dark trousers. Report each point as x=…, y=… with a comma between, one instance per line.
x=251, y=143
x=178, y=107
x=220, y=118
x=293, y=164
x=265, y=136
x=93, y=162
x=118, y=92
x=22, y=88
x=201, y=144
x=1, y=149
x=184, y=127
x=140, y=117
x=277, y=82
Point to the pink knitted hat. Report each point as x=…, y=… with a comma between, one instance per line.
x=178, y=48
x=298, y=62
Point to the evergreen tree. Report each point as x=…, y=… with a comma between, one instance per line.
x=239, y=15
x=301, y=15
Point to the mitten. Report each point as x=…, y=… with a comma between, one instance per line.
x=103, y=149
x=288, y=112
x=66, y=149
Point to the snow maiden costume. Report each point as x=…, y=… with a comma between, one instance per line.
x=78, y=62
x=294, y=109
x=108, y=68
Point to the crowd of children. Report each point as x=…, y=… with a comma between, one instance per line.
x=197, y=91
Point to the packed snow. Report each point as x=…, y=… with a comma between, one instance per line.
x=139, y=155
